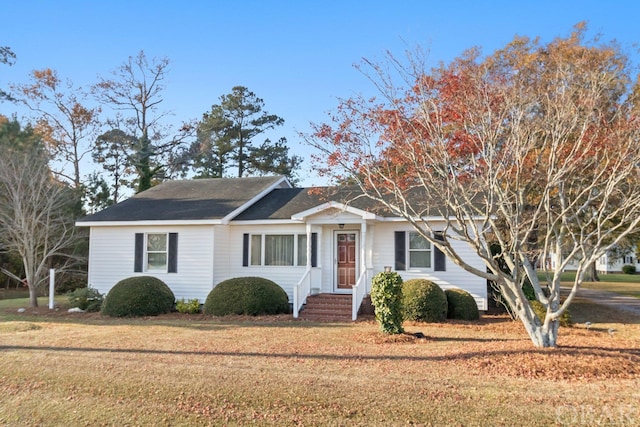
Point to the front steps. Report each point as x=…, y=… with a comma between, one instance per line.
x=331, y=307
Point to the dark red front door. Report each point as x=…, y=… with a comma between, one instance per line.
x=346, y=260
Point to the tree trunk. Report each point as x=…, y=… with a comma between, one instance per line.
x=33, y=296
x=593, y=273
x=540, y=335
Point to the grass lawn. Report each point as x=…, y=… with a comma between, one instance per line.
x=626, y=284
x=190, y=370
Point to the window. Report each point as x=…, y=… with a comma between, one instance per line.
x=278, y=249
x=302, y=249
x=419, y=251
x=256, y=249
x=411, y=250
x=156, y=251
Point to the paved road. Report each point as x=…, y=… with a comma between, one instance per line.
x=612, y=299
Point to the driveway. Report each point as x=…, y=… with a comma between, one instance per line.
x=612, y=299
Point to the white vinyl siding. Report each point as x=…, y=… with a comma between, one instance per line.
x=453, y=277
x=112, y=253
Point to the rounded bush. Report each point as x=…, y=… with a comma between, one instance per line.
x=541, y=312
x=629, y=269
x=461, y=305
x=138, y=296
x=423, y=301
x=246, y=295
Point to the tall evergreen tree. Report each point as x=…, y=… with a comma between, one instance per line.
x=226, y=138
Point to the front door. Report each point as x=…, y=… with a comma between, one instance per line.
x=346, y=260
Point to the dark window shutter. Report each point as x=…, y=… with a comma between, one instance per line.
x=139, y=253
x=439, y=259
x=245, y=250
x=401, y=251
x=314, y=249
x=173, y=253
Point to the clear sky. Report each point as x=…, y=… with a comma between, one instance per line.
x=298, y=55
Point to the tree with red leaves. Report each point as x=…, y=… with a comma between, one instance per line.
x=533, y=148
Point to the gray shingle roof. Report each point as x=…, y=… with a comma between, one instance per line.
x=282, y=203
x=198, y=199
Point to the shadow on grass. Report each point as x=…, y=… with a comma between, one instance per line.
x=574, y=351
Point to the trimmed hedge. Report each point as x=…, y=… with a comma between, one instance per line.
x=629, y=269
x=461, y=305
x=246, y=295
x=423, y=301
x=138, y=296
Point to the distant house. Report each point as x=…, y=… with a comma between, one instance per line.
x=610, y=262
x=192, y=234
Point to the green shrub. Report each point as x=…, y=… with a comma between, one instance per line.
x=87, y=299
x=191, y=306
x=629, y=269
x=423, y=301
x=386, y=298
x=138, y=296
x=246, y=295
x=541, y=312
x=461, y=305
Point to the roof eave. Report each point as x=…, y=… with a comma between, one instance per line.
x=254, y=199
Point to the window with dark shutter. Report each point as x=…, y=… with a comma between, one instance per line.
x=400, y=251
x=173, y=253
x=314, y=249
x=439, y=259
x=139, y=253
x=245, y=250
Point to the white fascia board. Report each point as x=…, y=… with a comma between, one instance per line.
x=147, y=223
x=425, y=218
x=302, y=216
x=264, y=222
x=242, y=208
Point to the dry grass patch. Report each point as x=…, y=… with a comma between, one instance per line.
x=195, y=370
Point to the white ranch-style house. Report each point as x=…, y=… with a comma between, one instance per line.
x=193, y=234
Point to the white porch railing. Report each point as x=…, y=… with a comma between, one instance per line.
x=300, y=292
x=358, y=293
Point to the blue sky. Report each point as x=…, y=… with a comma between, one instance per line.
x=297, y=55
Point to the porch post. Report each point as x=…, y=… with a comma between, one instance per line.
x=363, y=247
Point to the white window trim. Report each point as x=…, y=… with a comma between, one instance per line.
x=146, y=254
x=409, y=250
x=296, y=249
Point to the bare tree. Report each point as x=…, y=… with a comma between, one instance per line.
x=136, y=88
x=534, y=148
x=67, y=125
x=36, y=218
